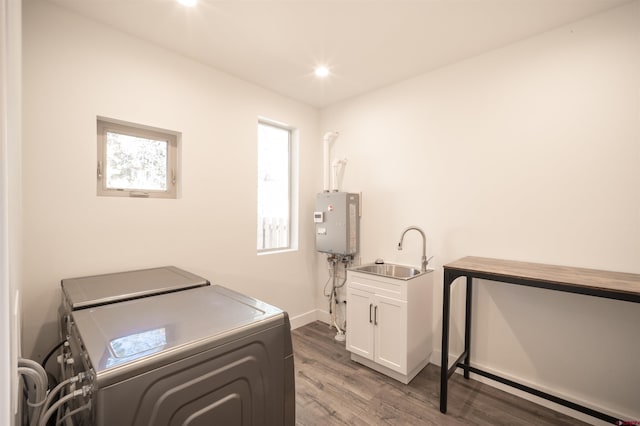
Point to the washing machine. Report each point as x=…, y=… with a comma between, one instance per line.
x=206, y=355
x=86, y=292
x=97, y=290
x=222, y=357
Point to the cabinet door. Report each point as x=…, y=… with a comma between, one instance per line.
x=391, y=333
x=360, y=322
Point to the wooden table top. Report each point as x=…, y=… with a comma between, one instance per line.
x=592, y=279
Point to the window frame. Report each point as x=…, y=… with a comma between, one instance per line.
x=292, y=224
x=105, y=125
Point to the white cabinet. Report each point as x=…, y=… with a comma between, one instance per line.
x=389, y=323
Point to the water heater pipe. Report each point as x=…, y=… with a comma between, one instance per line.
x=328, y=138
x=334, y=179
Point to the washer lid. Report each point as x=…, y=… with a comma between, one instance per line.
x=127, y=338
x=85, y=292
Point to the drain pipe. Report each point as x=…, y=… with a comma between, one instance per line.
x=328, y=138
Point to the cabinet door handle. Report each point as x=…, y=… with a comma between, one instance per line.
x=370, y=306
x=375, y=315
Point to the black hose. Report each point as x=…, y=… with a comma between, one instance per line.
x=51, y=352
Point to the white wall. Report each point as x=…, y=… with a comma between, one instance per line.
x=530, y=152
x=75, y=70
x=10, y=205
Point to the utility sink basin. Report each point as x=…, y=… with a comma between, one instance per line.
x=389, y=270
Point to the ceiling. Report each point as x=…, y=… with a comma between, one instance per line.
x=367, y=44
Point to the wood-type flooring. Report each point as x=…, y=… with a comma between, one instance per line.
x=333, y=390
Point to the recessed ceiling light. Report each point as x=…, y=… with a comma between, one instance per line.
x=321, y=72
x=189, y=3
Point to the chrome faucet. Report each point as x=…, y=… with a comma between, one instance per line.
x=424, y=245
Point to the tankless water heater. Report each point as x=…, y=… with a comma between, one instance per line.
x=337, y=220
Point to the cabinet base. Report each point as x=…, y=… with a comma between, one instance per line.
x=403, y=378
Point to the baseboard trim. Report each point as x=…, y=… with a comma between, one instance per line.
x=436, y=359
x=309, y=317
x=323, y=316
x=303, y=319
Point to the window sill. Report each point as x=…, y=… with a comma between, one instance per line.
x=276, y=251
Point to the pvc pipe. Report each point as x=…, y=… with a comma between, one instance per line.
x=328, y=138
x=325, y=156
x=334, y=180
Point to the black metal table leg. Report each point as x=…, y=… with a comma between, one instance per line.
x=467, y=329
x=550, y=277
x=444, y=366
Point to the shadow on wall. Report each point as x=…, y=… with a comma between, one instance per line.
x=45, y=335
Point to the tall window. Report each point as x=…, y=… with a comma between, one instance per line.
x=274, y=187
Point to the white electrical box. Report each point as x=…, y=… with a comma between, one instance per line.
x=337, y=220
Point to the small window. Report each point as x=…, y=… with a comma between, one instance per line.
x=274, y=187
x=136, y=160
